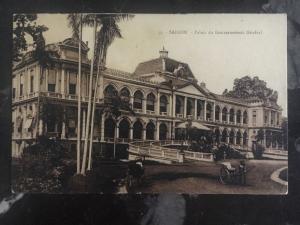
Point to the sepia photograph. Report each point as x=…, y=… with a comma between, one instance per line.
x=149, y=103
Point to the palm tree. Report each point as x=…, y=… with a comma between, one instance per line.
x=75, y=22
x=107, y=33
x=87, y=130
x=109, y=30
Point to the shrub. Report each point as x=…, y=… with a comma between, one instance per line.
x=258, y=151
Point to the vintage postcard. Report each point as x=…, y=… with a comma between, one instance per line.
x=149, y=103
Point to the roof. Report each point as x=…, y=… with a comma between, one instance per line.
x=171, y=65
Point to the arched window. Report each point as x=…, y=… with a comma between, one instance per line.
x=125, y=95
x=238, y=116
x=224, y=135
x=137, y=130
x=163, y=103
x=179, y=105
x=224, y=114
x=138, y=100
x=109, y=128
x=190, y=106
x=231, y=137
x=217, y=113
x=208, y=111
x=150, y=129
x=245, y=117
x=238, y=138
x=109, y=93
x=199, y=109
x=150, y=102
x=124, y=127
x=245, y=138
x=217, y=135
x=163, y=130
x=231, y=115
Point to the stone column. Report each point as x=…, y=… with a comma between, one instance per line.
x=67, y=82
x=170, y=106
x=234, y=139
x=195, y=109
x=227, y=116
x=144, y=134
x=214, y=112
x=62, y=83
x=157, y=131
x=242, y=117
x=174, y=105
x=131, y=101
x=40, y=127
x=27, y=82
x=37, y=78
x=63, y=130
x=144, y=105
x=158, y=104
x=270, y=116
x=56, y=81
x=204, y=111
x=234, y=117
x=227, y=138
x=117, y=132
x=185, y=105
x=131, y=133
x=102, y=127
x=83, y=122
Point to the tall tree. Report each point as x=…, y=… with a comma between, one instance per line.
x=75, y=22
x=109, y=30
x=87, y=128
x=105, y=36
x=247, y=87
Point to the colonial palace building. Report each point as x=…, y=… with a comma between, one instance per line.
x=163, y=92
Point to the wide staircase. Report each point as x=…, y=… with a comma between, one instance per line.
x=159, y=151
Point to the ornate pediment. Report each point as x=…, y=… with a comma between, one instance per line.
x=192, y=89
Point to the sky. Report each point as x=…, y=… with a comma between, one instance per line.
x=217, y=47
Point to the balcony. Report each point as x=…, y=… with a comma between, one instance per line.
x=179, y=115
x=138, y=110
x=150, y=112
x=164, y=113
x=55, y=95
x=190, y=117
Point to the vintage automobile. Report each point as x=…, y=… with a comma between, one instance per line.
x=233, y=175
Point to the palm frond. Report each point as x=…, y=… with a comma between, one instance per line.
x=74, y=24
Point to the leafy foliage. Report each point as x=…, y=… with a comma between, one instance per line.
x=260, y=135
x=247, y=87
x=44, y=167
x=24, y=27
x=51, y=112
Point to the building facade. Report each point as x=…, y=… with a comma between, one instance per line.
x=163, y=93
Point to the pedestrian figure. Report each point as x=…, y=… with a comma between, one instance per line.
x=242, y=172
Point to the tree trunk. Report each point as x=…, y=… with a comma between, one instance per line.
x=93, y=115
x=83, y=168
x=79, y=97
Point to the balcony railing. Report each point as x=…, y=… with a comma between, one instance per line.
x=150, y=112
x=163, y=113
x=190, y=116
x=179, y=115
x=52, y=95
x=138, y=110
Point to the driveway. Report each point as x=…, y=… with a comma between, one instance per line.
x=202, y=178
